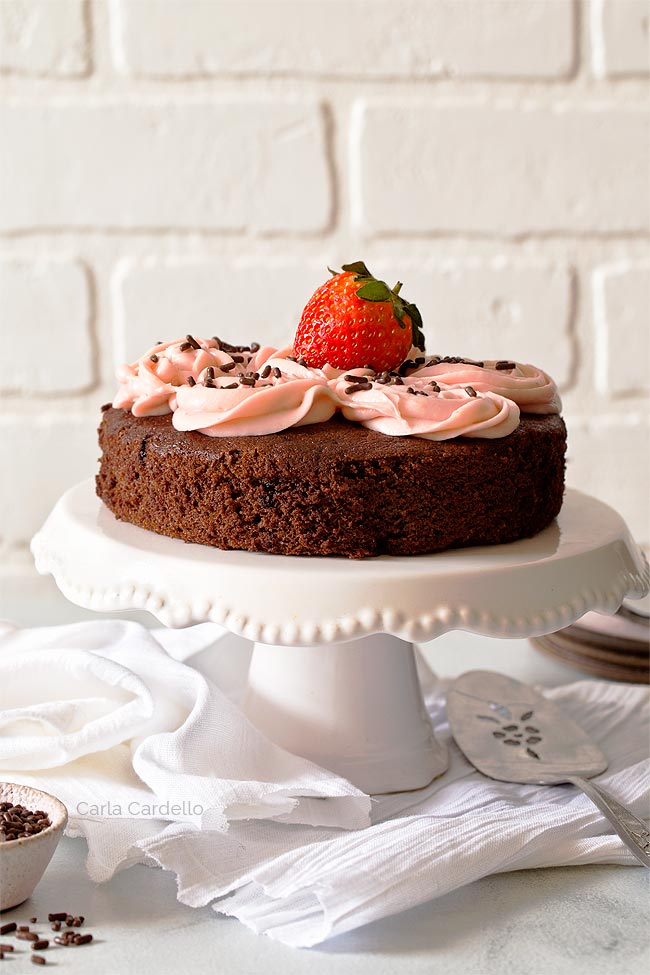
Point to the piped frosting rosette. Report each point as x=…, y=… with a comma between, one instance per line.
x=423, y=407
x=225, y=390
x=280, y=393
x=148, y=386
x=529, y=387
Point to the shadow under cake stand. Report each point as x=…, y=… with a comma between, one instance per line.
x=333, y=675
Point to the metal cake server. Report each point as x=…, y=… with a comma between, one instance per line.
x=510, y=732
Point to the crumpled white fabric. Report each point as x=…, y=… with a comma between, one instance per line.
x=126, y=720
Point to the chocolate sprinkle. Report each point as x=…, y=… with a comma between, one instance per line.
x=266, y=371
x=191, y=381
x=194, y=344
x=17, y=822
x=228, y=367
x=357, y=387
x=184, y=346
x=277, y=373
x=210, y=372
x=471, y=391
x=504, y=364
x=231, y=386
x=154, y=357
x=454, y=359
x=227, y=347
x=406, y=365
x=246, y=381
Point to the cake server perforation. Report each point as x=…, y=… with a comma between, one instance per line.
x=511, y=733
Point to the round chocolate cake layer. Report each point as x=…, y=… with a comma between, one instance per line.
x=332, y=488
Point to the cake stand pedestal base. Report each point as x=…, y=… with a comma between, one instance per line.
x=355, y=708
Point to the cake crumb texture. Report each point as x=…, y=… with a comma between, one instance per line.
x=332, y=488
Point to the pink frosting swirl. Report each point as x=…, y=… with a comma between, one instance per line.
x=252, y=391
x=432, y=412
x=529, y=387
x=296, y=397
x=148, y=386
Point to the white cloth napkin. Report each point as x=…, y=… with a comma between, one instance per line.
x=139, y=733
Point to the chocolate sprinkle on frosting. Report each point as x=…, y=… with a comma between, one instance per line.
x=227, y=347
x=277, y=372
x=265, y=371
x=406, y=365
x=471, y=391
x=191, y=381
x=194, y=344
x=154, y=357
x=505, y=364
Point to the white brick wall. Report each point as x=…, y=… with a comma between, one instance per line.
x=46, y=38
x=622, y=336
x=345, y=38
x=481, y=169
x=212, y=166
x=175, y=165
x=621, y=38
x=45, y=298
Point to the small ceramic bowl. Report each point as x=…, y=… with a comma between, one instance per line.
x=23, y=861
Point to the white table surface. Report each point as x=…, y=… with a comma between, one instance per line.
x=574, y=920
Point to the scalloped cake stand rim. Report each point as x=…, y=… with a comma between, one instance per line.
x=585, y=560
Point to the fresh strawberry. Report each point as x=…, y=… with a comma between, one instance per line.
x=354, y=320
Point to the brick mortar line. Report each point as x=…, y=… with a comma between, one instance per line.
x=58, y=93
x=328, y=235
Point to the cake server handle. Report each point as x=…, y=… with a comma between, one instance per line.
x=632, y=830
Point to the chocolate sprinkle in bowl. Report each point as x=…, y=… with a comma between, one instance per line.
x=31, y=825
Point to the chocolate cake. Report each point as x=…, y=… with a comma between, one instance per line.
x=350, y=442
x=331, y=488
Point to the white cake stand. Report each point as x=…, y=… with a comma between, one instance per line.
x=333, y=674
